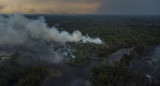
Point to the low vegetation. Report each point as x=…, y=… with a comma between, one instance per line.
x=118, y=75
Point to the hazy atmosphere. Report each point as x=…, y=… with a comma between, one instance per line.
x=79, y=42
x=80, y=6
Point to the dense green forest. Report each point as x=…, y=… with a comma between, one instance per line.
x=141, y=33
x=118, y=75
x=117, y=32
x=14, y=74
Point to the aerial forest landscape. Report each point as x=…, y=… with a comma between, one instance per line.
x=79, y=43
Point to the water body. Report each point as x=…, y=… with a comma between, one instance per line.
x=150, y=66
x=117, y=55
x=156, y=53
x=78, y=76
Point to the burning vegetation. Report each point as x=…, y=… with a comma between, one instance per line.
x=31, y=50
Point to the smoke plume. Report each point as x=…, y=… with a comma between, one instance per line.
x=33, y=37
x=16, y=29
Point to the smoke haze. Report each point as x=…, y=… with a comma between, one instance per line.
x=33, y=37
x=16, y=30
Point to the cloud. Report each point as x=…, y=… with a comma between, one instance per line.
x=82, y=6
x=51, y=6
x=129, y=7
x=2, y=7
x=86, y=1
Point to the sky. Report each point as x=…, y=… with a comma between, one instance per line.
x=80, y=6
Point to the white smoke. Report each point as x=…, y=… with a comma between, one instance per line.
x=16, y=29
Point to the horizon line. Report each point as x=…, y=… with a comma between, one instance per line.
x=84, y=14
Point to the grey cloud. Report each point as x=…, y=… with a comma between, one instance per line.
x=2, y=7
x=129, y=7
x=87, y=1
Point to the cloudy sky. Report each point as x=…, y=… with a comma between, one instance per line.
x=81, y=6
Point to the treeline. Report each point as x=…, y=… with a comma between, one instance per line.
x=26, y=76
x=13, y=73
x=118, y=75
x=135, y=69
x=116, y=32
